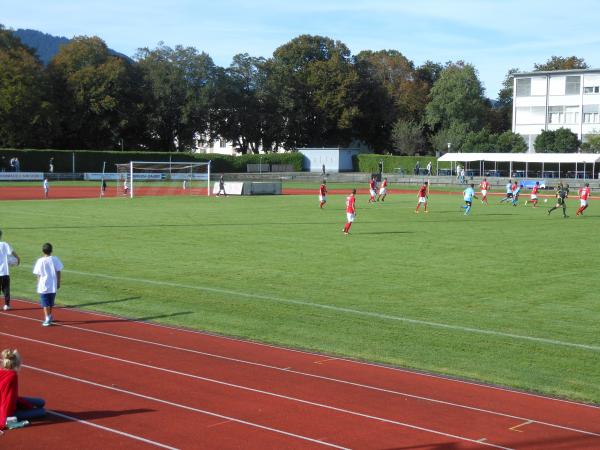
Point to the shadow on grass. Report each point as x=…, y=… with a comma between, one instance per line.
x=105, y=302
x=386, y=232
x=122, y=319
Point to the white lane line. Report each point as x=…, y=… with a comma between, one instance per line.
x=322, y=377
x=249, y=389
x=111, y=430
x=347, y=360
x=177, y=405
x=594, y=348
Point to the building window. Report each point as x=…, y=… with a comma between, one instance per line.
x=591, y=90
x=573, y=86
x=523, y=87
x=571, y=114
x=223, y=143
x=530, y=115
x=563, y=114
x=591, y=113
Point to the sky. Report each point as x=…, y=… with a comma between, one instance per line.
x=492, y=35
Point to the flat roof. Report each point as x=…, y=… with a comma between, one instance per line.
x=579, y=158
x=556, y=72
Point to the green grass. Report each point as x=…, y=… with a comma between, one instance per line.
x=439, y=292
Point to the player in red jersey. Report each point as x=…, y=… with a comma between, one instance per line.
x=485, y=187
x=350, y=211
x=423, y=196
x=382, y=190
x=323, y=194
x=372, y=189
x=584, y=194
x=534, y=195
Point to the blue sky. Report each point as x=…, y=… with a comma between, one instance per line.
x=492, y=35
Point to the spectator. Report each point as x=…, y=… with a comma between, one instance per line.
x=51, y=165
x=417, y=168
x=17, y=165
x=429, y=168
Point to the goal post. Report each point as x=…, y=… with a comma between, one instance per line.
x=137, y=178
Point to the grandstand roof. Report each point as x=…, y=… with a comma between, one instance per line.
x=565, y=158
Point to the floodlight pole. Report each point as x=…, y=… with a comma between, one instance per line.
x=130, y=179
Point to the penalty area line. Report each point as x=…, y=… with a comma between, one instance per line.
x=502, y=334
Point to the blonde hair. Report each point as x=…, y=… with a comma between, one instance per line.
x=11, y=359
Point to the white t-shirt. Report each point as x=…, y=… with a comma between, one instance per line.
x=5, y=250
x=45, y=268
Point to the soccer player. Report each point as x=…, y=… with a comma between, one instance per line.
x=48, y=270
x=46, y=187
x=469, y=195
x=372, y=189
x=509, y=192
x=350, y=211
x=383, y=190
x=221, y=187
x=323, y=194
x=584, y=194
x=485, y=187
x=125, y=187
x=561, y=199
x=516, y=193
x=423, y=196
x=103, y=188
x=534, y=195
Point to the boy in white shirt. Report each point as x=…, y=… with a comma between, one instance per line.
x=6, y=251
x=47, y=268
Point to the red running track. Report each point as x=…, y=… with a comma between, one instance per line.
x=114, y=383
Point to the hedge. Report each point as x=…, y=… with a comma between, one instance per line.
x=370, y=163
x=92, y=160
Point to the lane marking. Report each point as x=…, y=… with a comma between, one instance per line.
x=306, y=352
x=594, y=348
x=177, y=405
x=519, y=426
x=249, y=389
x=322, y=377
x=111, y=430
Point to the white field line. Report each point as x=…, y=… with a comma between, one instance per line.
x=245, y=388
x=352, y=361
x=177, y=405
x=320, y=377
x=594, y=348
x=111, y=430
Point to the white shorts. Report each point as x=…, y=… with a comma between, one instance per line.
x=322, y=198
x=372, y=192
x=422, y=199
x=350, y=217
x=382, y=191
x=533, y=197
x=583, y=202
x=483, y=192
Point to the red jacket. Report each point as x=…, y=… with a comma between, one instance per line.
x=9, y=391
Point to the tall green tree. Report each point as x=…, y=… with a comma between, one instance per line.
x=509, y=142
x=27, y=115
x=456, y=97
x=179, y=86
x=316, y=85
x=407, y=137
x=562, y=63
x=455, y=135
x=562, y=140
x=95, y=93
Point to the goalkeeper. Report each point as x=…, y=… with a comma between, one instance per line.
x=562, y=193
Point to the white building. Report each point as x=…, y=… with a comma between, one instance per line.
x=556, y=99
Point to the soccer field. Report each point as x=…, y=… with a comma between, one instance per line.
x=507, y=295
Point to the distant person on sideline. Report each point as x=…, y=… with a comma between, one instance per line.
x=46, y=187
x=19, y=409
x=222, y=186
x=6, y=251
x=103, y=188
x=48, y=270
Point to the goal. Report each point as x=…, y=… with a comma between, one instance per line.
x=163, y=178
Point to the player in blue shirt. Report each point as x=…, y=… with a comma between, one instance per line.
x=516, y=193
x=469, y=195
x=509, y=192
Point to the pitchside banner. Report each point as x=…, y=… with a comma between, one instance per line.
x=96, y=176
x=529, y=184
x=21, y=176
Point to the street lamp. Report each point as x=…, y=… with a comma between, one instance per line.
x=260, y=164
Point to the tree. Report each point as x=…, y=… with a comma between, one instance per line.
x=316, y=85
x=479, y=141
x=456, y=97
x=562, y=140
x=504, y=104
x=592, y=145
x=96, y=94
x=562, y=63
x=407, y=137
x=27, y=116
x=180, y=86
x=454, y=135
x=508, y=142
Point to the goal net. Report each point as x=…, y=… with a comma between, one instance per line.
x=138, y=178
